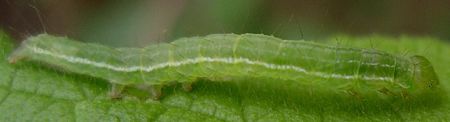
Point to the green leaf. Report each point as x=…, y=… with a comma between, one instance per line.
x=34, y=92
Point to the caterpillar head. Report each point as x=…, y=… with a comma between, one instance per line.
x=424, y=74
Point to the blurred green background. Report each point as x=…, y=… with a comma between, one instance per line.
x=136, y=23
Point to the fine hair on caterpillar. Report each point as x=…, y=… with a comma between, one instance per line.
x=354, y=70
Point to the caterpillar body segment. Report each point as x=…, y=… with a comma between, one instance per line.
x=221, y=56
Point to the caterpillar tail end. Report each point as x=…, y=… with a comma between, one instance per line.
x=17, y=55
x=424, y=74
x=13, y=60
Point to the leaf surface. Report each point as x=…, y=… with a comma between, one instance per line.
x=34, y=92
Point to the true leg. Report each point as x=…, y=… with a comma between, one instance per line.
x=187, y=86
x=116, y=91
x=155, y=91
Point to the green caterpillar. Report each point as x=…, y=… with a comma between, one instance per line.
x=230, y=55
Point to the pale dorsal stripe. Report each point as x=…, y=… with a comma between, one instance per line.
x=228, y=60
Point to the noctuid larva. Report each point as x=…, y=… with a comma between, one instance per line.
x=231, y=55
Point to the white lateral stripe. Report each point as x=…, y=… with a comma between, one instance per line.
x=228, y=60
x=353, y=61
